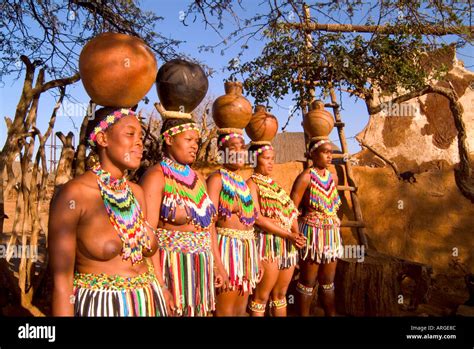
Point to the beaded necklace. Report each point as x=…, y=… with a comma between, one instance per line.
x=274, y=201
x=184, y=188
x=323, y=194
x=124, y=213
x=235, y=190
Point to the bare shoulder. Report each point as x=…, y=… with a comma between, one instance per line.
x=251, y=183
x=78, y=188
x=136, y=189
x=214, y=176
x=305, y=175
x=214, y=182
x=154, y=173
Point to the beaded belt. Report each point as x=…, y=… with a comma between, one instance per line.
x=236, y=233
x=320, y=219
x=184, y=241
x=113, y=282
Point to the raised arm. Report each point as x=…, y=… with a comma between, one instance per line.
x=64, y=216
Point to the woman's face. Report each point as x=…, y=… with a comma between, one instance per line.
x=123, y=143
x=235, y=155
x=265, y=162
x=322, y=156
x=183, y=147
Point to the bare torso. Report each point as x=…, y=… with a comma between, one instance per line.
x=98, y=248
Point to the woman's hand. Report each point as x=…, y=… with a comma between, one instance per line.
x=299, y=240
x=221, y=278
x=169, y=301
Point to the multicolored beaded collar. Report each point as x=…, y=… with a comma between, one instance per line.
x=124, y=213
x=274, y=201
x=109, y=121
x=323, y=195
x=173, y=131
x=184, y=188
x=235, y=190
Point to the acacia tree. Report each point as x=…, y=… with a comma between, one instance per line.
x=41, y=40
x=360, y=48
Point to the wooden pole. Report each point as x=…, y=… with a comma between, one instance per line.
x=350, y=178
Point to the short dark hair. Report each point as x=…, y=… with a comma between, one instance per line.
x=255, y=147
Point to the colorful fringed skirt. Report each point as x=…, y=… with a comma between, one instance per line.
x=323, y=237
x=275, y=248
x=239, y=254
x=188, y=270
x=114, y=295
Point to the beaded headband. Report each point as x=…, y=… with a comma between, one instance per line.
x=109, y=121
x=318, y=144
x=173, y=131
x=228, y=137
x=264, y=148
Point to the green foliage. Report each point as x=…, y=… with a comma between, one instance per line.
x=360, y=62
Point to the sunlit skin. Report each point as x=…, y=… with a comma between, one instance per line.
x=81, y=236
x=181, y=148
x=310, y=270
x=274, y=283
x=229, y=303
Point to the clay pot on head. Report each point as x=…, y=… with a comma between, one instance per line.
x=181, y=85
x=318, y=121
x=232, y=109
x=117, y=70
x=263, y=126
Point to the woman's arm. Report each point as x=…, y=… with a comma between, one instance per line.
x=155, y=258
x=214, y=187
x=152, y=183
x=64, y=217
x=299, y=187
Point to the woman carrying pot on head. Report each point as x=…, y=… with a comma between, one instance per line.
x=278, y=236
x=315, y=192
x=234, y=226
x=101, y=248
x=179, y=206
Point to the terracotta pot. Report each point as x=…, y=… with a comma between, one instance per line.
x=232, y=109
x=181, y=85
x=318, y=121
x=117, y=70
x=263, y=126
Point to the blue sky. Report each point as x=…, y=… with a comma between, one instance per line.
x=354, y=112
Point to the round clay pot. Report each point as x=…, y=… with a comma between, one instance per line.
x=232, y=109
x=181, y=85
x=263, y=126
x=117, y=70
x=318, y=121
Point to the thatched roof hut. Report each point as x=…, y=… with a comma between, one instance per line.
x=289, y=146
